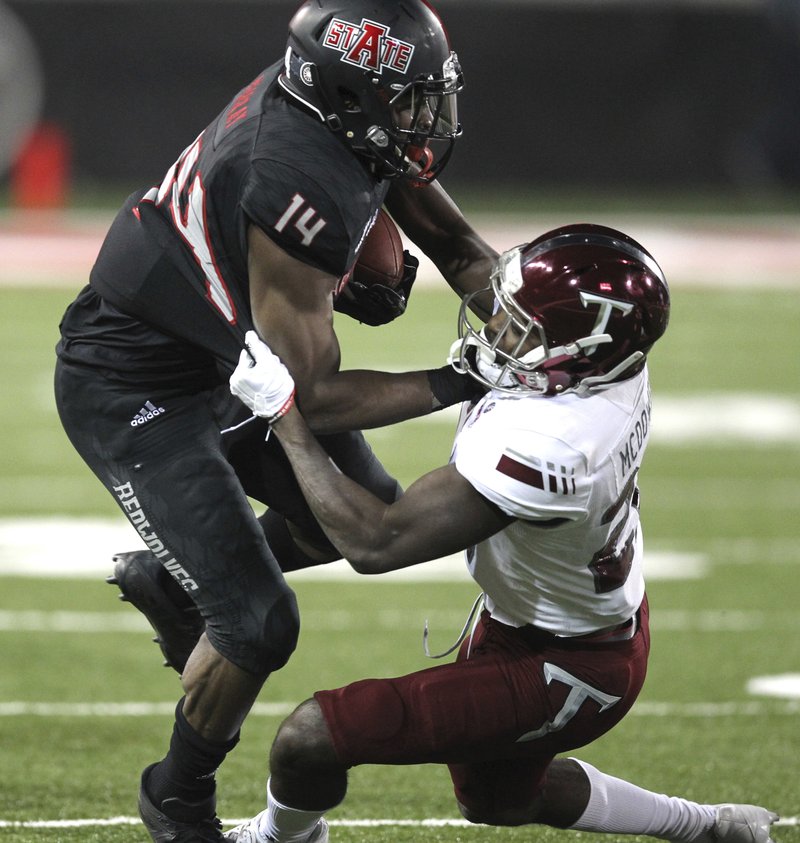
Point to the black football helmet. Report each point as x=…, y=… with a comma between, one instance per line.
x=381, y=74
x=591, y=297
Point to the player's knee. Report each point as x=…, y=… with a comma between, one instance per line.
x=303, y=744
x=486, y=814
x=469, y=813
x=272, y=636
x=480, y=814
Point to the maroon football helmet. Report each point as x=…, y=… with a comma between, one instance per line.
x=592, y=298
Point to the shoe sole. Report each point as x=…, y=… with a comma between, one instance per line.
x=163, y=829
x=141, y=580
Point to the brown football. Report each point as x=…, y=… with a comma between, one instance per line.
x=381, y=257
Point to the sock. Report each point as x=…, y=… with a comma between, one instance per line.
x=286, y=825
x=187, y=771
x=619, y=807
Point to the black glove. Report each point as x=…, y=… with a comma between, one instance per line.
x=378, y=304
x=450, y=387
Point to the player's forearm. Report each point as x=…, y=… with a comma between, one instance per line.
x=434, y=222
x=351, y=517
x=363, y=399
x=469, y=271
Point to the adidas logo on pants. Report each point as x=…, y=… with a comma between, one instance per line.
x=149, y=411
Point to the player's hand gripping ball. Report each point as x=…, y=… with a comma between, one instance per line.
x=380, y=283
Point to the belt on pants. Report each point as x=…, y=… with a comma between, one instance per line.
x=621, y=632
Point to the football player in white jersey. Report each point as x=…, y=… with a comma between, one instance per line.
x=541, y=492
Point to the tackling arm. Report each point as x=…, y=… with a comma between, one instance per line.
x=433, y=221
x=292, y=309
x=441, y=513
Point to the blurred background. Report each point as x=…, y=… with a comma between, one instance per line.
x=685, y=96
x=677, y=121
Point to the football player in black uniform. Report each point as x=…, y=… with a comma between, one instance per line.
x=253, y=229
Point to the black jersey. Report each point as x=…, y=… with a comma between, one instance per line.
x=176, y=255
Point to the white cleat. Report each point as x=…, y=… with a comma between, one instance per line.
x=248, y=832
x=320, y=833
x=743, y=824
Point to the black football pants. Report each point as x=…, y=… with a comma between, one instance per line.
x=184, y=487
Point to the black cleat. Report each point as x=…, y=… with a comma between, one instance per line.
x=146, y=584
x=164, y=829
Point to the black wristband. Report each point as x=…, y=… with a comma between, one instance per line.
x=449, y=387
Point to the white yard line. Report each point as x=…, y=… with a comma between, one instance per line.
x=82, y=547
x=121, y=709
x=378, y=823
x=695, y=710
x=354, y=823
x=128, y=621
x=61, y=546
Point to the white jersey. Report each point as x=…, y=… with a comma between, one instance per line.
x=565, y=467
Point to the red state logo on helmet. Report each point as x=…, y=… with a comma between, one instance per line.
x=382, y=75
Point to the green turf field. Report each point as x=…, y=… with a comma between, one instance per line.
x=730, y=499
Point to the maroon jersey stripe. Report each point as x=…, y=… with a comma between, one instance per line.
x=521, y=472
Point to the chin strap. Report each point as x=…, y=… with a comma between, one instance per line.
x=459, y=349
x=472, y=619
x=588, y=384
x=572, y=349
x=424, y=158
x=535, y=357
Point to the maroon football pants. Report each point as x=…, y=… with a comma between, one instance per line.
x=498, y=715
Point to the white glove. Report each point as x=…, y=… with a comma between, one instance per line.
x=261, y=381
